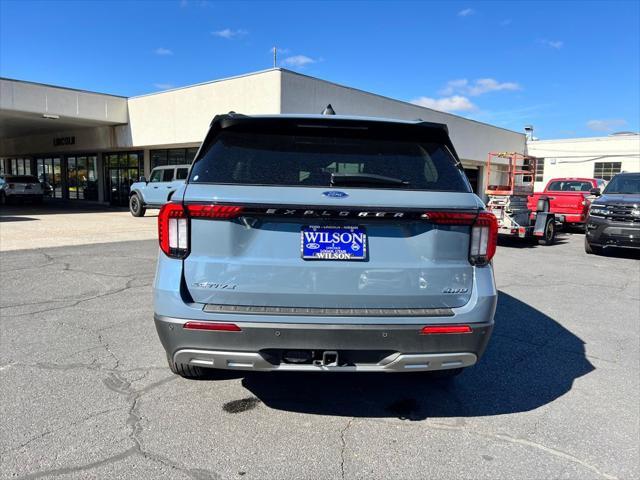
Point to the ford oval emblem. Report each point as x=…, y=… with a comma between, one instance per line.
x=335, y=194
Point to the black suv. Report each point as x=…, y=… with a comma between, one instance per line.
x=614, y=217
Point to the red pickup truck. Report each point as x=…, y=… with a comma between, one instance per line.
x=567, y=198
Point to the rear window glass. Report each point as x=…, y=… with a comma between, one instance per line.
x=570, y=186
x=22, y=179
x=181, y=173
x=259, y=159
x=167, y=175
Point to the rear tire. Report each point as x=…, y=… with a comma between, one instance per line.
x=549, y=235
x=185, y=370
x=591, y=249
x=135, y=206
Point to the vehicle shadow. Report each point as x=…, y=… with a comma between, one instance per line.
x=614, y=252
x=531, y=360
x=52, y=207
x=8, y=218
x=515, y=242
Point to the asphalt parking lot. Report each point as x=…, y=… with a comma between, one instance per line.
x=85, y=391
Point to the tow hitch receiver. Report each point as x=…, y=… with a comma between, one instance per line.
x=329, y=359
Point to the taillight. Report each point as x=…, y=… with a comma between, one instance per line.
x=173, y=230
x=174, y=224
x=450, y=218
x=484, y=232
x=213, y=211
x=484, y=238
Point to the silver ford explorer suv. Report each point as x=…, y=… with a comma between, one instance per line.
x=324, y=244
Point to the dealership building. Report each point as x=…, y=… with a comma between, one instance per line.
x=592, y=157
x=91, y=146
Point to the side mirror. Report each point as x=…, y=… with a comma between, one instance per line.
x=595, y=191
x=143, y=179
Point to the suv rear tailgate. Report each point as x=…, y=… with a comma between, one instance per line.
x=255, y=260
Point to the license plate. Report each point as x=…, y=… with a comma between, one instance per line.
x=333, y=243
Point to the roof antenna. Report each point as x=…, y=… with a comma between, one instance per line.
x=275, y=57
x=328, y=110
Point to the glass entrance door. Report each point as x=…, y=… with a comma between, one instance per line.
x=123, y=169
x=50, y=174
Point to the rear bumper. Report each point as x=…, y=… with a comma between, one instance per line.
x=573, y=218
x=363, y=342
x=25, y=196
x=371, y=348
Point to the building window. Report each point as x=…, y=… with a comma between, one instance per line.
x=540, y=170
x=49, y=172
x=172, y=156
x=20, y=166
x=122, y=169
x=606, y=170
x=82, y=177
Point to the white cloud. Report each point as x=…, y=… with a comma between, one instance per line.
x=455, y=103
x=557, y=44
x=163, y=51
x=477, y=87
x=163, y=86
x=466, y=12
x=605, y=125
x=297, y=61
x=229, y=33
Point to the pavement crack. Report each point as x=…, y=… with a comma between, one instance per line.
x=108, y=349
x=521, y=442
x=67, y=470
x=343, y=445
x=134, y=422
x=75, y=303
x=65, y=427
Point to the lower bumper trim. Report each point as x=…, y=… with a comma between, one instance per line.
x=254, y=361
x=330, y=312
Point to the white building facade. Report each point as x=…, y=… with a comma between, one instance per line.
x=92, y=146
x=597, y=157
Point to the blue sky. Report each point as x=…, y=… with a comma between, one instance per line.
x=568, y=68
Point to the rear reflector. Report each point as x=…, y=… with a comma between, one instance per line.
x=444, y=329
x=220, y=327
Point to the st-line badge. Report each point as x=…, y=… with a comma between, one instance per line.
x=333, y=243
